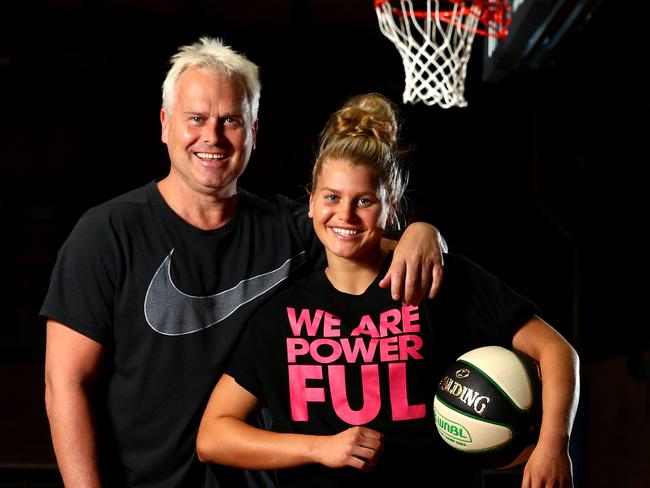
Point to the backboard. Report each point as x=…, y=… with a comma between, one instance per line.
x=537, y=28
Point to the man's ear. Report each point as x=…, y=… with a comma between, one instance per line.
x=255, y=125
x=164, y=124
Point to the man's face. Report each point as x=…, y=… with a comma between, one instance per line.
x=209, y=131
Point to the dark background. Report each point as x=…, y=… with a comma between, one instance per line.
x=539, y=179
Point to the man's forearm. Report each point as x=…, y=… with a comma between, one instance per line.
x=416, y=269
x=73, y=435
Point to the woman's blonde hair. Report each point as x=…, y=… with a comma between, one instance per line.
x=364, y=131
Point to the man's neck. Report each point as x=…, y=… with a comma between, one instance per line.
x=206, y=211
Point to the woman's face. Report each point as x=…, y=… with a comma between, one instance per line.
x=349, y=210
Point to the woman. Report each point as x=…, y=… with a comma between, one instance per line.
x=348, y=374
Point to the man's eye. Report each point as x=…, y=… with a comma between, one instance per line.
x=197, y=119
x=232, y=121
x=331, y=198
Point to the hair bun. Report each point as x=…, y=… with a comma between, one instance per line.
x=368, y=115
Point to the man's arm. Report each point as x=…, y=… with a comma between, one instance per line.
x=417, y=264
x=72, y=362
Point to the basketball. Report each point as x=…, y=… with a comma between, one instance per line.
x=488, y=405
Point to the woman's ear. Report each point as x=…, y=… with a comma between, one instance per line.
x=311, y=205
x=391, y=218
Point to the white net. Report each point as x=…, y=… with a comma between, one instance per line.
x=435, y=46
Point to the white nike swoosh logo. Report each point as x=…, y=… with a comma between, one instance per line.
x=171, y=312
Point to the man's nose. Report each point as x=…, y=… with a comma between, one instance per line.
x=211, y=133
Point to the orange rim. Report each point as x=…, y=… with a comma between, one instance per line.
x=496, y=15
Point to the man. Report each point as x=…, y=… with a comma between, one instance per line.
x=151, y=290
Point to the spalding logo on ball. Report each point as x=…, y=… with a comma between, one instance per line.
x=488, y=404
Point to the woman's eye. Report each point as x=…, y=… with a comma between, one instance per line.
x=365, y=202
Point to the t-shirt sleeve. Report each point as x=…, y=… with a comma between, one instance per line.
x=243, y=363
x=493, y=310
x=299, y=214
x=82, y=284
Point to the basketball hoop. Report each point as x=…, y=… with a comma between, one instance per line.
x=435, y=43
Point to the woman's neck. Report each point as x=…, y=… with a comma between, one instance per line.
x=354, y=276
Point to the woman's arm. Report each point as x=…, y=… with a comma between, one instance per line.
x=225, y=438
x=549, y=464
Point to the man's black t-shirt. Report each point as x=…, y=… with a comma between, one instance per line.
x=168, y=301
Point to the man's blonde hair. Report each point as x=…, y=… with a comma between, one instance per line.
x=213, y=54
